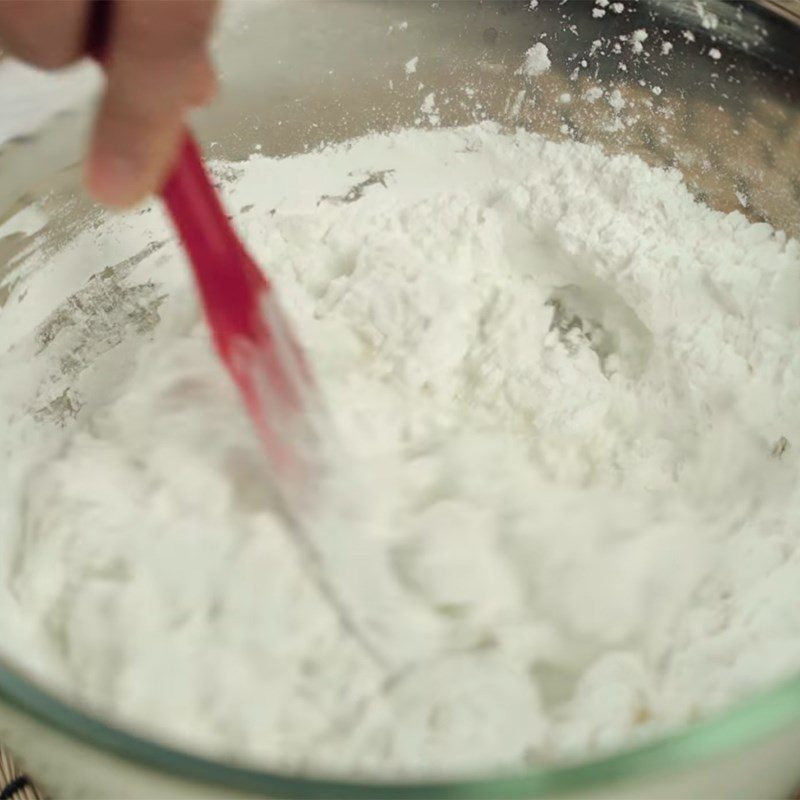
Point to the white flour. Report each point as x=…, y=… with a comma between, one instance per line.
x=537, y=60
x=559, y=381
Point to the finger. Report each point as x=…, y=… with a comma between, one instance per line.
x=203, y=85
x=157, y=50
x=46, y=33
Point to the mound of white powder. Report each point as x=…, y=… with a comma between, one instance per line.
x=560, y=513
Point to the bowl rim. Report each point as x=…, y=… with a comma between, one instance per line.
x=751, y=720
x=762, y=714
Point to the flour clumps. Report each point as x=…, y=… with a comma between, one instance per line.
x=537, y=61
x=567, y=503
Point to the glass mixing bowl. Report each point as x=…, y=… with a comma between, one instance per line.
x=297, y=74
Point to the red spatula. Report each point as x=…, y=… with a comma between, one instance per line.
x=250, y=332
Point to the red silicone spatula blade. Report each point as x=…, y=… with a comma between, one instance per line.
x=251, y=333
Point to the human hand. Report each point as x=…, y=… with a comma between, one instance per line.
x=157, y=68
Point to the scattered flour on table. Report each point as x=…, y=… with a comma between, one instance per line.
x=559, y=381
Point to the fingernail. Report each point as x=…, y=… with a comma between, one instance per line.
x=113, y=179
